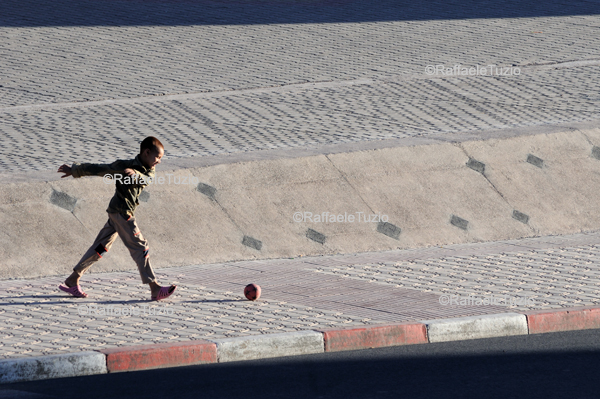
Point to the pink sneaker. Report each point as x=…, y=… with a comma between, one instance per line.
x=164, y=292
x=76, y=291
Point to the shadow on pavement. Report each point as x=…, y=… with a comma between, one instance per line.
x=560, y=365
x=30, y=13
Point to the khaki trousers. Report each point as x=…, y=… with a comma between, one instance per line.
x=131, y=236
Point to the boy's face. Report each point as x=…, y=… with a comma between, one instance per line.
x=152, y=158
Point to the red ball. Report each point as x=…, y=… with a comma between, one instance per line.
x=252, y=292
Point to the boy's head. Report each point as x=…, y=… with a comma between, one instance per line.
x=151, y=151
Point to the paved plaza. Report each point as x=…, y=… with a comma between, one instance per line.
x=86, y=81
x=225, y=122
x=83, y=51
x=301, y=294
x=90, y=87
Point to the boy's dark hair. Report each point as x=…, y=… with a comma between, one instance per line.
x=151, y=143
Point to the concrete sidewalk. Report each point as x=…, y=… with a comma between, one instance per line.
x=216, y=86
x=223, y=85
x=308, y=305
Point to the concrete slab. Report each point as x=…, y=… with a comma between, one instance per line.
x=543, y=321
x=269, y=345
x=422, y=188
x=53, y=366
x=374, y=336
x=143, y=357
x=474, y=327
x=264, y=198
x=561, y=196
x=390, y=198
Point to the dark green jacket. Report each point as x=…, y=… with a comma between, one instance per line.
x=128, y=189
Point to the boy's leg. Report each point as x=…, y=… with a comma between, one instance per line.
x=136, y=244
x=104, y=240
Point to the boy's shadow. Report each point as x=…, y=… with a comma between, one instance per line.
x=133, y=301
x=217, y=300
x=109, y=302
x=37, y=302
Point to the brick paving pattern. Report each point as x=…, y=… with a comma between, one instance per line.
x=89, y=50
x=554, y=272
x=234, y=62
x=229, y=122
x=216, y=77
x=299, y=294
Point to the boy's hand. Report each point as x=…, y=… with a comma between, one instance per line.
x=129, y=172
x=66, y=169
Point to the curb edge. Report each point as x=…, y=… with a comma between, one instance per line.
x=144, y=357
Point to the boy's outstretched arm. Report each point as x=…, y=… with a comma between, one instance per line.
x=79, y=170
x=91, y=169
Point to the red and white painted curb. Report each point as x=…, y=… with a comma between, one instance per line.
x=145, y=357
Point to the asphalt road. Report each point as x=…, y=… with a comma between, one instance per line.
x=558, y=365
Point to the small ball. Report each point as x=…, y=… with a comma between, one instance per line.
x=252, y=292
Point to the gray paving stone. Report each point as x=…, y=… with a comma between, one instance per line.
x=90, y=92
x=392, y=99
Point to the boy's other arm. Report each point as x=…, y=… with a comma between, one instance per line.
x=66, y=169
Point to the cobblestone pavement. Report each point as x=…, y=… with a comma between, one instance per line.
x=268, y=119
x=89, y=50
x=298, y=294
x=87, y=80
x=235, y=71
x=538, y=273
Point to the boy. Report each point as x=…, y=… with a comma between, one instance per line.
x=131, y=176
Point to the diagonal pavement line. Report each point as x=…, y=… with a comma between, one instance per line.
x=192, y=96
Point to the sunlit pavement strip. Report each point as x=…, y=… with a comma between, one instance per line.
x=91, y=56
x=552, y=272
x=37, y=319
x=298, y=294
